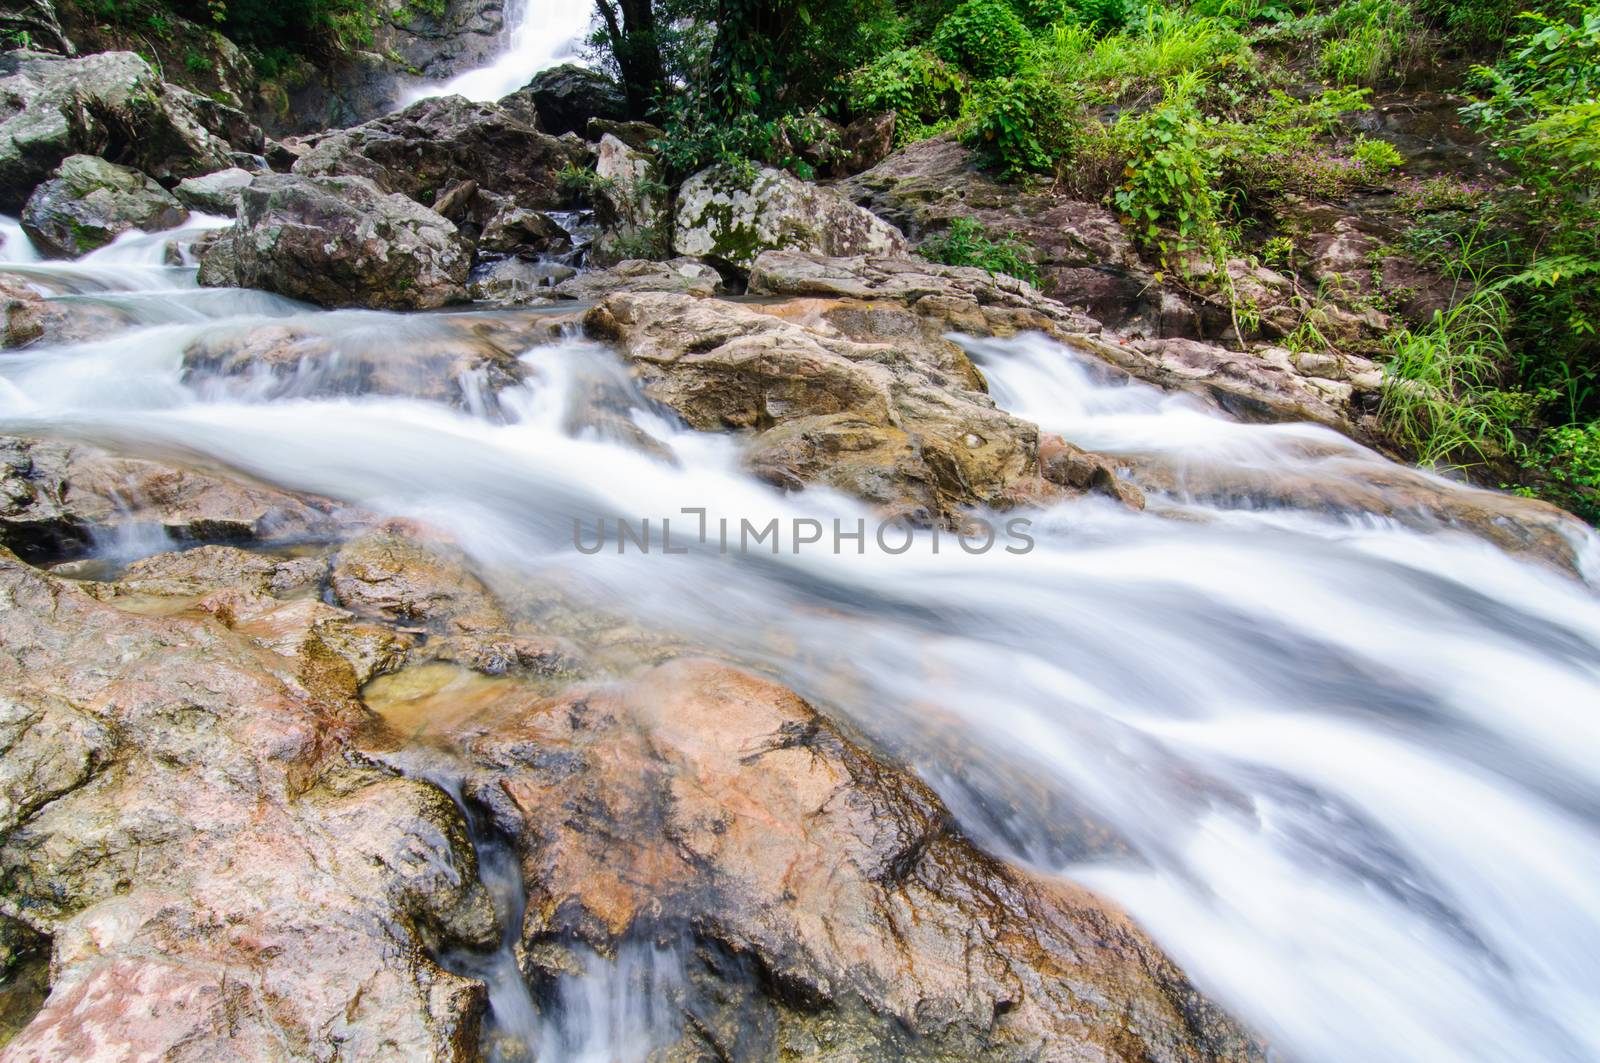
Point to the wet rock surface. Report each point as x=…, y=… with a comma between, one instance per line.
x=339, y=241
x=462, y=359
x=423, y=150
x=898, y=419
x=58, y=497
x=703, y=800
x=88, y=202
x=111, y=104
x=218, y=873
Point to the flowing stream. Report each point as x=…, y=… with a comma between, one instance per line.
x=1344, y=767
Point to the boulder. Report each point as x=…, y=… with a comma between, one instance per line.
x=640, y=136
x=459, y=359
x=88, y=202
x=630, y=204
x=28, y=317
x=339, y=241
x=687, y=275
x=227, y=123
x=219, y=873
x=867, y=141
x=110, y=104
x=1081, y=251
x=57, y=497
x=733, y=216
x=214, y=193
x=429, y=147
x=861, y=398
x=567, y=96
x=399, y=575
x=827, y=907
x=514, y=230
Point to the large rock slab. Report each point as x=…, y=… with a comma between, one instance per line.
x=832, y=910
x=111, y=104
x=435, y=143
x=220, y=876
x=88, y=202
x=862, y=398
x=339, y=241
x=58, y=498
x=733, y=216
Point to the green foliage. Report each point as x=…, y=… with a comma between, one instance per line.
x=967, y=243
x=1162, y=45
x=1443, y=396
x=1102, y=15
x=757, y=68
x=580, y=184
x=1019, y=124
x=276, y=31
x=1570, y=456
x=1541, y=112
x=919, y=87
x=1368, y=41
x=1169, y=198
x=984, y=38
x=1376, y=157
x=1278, y=143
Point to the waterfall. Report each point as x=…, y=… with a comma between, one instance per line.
x=540, y=34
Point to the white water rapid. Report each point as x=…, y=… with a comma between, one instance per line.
x=539, y=34
x=1345, y=767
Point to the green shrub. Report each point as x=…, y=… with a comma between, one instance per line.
x=1103, y=15
x=1018, y=124
x=1368, y=42
x=1169, y=198
x=1570, y=456
x=918, y=86
x=1376, y=157
x=967, y=243
x=1444, y=396
x=983, y=37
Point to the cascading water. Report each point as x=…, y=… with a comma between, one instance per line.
x=1341, y=763
x=539, y=35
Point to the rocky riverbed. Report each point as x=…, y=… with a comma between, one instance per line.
x=317, y=740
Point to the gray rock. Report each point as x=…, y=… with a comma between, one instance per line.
x=215, y=193
x=688, y=276
x=567, y=96
x=518, y=231
x=434, y=144
x=733, y=217
x=339, y=241
x=630, y=204
x=637, y=135
x=88, y=202
x=222, y=121
x=112, y=102
x=868, y=141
